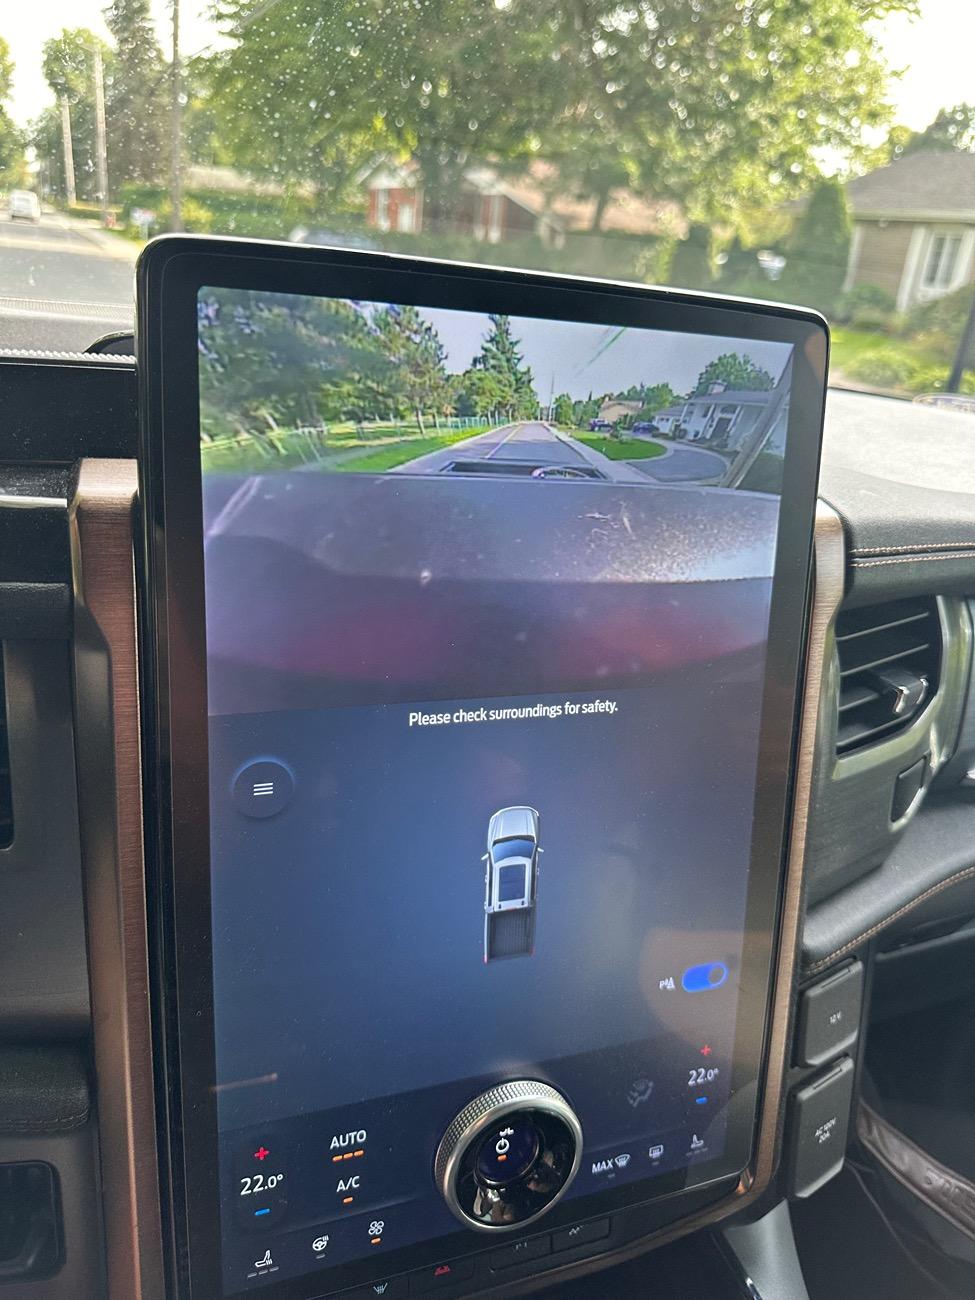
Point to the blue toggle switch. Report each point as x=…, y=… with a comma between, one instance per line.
x=709, y=975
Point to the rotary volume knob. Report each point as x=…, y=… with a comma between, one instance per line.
x=509, y=1156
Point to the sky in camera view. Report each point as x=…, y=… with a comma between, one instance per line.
x=579, y=359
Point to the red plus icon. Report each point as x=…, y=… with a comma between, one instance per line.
x=261, y=1153
x=706, y=1050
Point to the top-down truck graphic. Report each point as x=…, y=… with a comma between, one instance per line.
x=511, y=883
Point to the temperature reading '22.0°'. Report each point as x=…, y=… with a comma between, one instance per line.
x=702, y=1074
x=259, y=1183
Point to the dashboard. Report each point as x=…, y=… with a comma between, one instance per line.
x=881, y=866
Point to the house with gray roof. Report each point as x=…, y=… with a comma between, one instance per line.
x=735, y=420
x=722, y=417
x=914, y=226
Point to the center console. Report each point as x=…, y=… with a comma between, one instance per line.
x=475, y=622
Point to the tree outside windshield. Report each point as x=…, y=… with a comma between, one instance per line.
x=819, y=152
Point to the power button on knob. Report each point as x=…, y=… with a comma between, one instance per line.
x=509, y=1156
x=508, y=1151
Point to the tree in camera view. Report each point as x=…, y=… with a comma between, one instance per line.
x=498, y=379
x=732, y=371
x=275, y=366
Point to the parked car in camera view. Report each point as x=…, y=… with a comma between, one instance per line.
x=600, y=426
x=511, y=883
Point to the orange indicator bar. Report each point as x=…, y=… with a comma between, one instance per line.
x=347, y=1200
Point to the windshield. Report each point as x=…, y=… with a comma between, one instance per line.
x=819, y=152
x=514, y=849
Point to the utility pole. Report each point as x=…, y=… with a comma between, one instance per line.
x=69, y=186
x=101, y=155
x=964, y=355
x=176, y=123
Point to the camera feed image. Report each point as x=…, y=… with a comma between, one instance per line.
x=290, y=381
x=487, y=609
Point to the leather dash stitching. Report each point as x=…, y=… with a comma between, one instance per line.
x=918, y=549
x=956, y=879
x=915, y=559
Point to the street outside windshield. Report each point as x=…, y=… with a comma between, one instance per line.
x=819, y=152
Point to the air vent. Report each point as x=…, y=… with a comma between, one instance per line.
x=6, y=794
x=890, y=660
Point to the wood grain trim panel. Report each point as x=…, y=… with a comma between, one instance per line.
x=829, y=571
x=110, y=806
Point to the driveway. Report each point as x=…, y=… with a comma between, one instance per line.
x=683, y=463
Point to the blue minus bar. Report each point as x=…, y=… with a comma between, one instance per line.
x=701, y=1101
x=257, y=1213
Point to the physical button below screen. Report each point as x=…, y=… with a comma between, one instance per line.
x=440, y=1275
x=393, y=1289
x=580, y=1235
x=520, y=1251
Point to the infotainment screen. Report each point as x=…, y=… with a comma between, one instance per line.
x=483, y=609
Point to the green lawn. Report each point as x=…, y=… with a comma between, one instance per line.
x=350, y=435
x=339, y=450
x=620, y=448
x=389, y=457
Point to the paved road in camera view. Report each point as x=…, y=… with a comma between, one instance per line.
x=528, y=440
x=538, y=442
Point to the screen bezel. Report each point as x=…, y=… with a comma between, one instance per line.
x=171, y=272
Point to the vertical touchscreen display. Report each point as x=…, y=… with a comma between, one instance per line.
x=487, y=617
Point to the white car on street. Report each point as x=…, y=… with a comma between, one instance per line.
x=23, y=205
